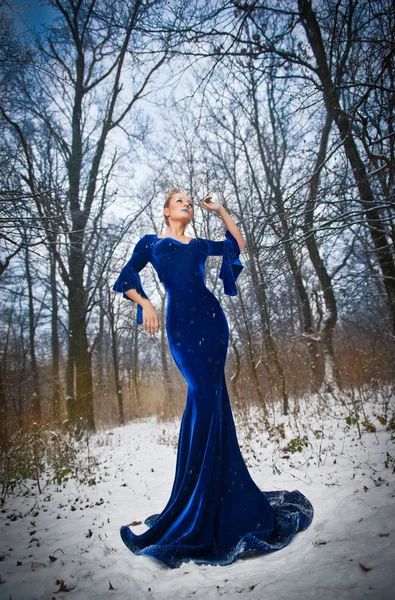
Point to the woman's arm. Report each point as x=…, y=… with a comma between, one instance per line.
x=129, y=284
x=232, y=227
x=209, y=205
x=150, y=318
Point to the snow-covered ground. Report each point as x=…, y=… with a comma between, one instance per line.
x=65, y=543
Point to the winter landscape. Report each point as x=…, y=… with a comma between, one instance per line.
x=265, y=131
x=65, y=543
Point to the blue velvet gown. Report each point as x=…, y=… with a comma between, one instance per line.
x=215, y=513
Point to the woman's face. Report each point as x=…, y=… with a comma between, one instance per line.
x=180, y=208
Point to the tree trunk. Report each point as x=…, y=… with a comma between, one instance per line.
x=259, y=287
x=36, y=403
x=99, y=379
x=84, y=416
x=70, y=376
x=3, y=412
x=56, y=408
x=135, y=379
x=331, y=373
x=253, y=360
x=115, y=359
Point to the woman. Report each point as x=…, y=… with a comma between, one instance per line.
x=215, y=513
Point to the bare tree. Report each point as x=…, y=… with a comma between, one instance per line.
x=77, y=92
x=328, y=59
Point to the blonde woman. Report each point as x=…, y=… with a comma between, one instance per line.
x=216, y=513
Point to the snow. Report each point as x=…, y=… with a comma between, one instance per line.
x=348, y=552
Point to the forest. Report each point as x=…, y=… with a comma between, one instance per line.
x=283, y=111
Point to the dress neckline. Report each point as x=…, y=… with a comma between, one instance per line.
x=168, y=237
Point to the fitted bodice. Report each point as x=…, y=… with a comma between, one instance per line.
x=180, y=266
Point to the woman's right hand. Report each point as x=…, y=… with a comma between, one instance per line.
x=150, y=318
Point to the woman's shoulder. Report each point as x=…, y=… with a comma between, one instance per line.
x=148, y=237
x=145, y=242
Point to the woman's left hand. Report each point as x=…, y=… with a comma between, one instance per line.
x=209, y=205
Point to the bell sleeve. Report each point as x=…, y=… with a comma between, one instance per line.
x=231, y=265
x=129, y=277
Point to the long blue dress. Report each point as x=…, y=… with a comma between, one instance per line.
x=215, y=513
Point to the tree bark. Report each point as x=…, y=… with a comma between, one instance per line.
x=135, y=379
x=252, y=353
x=260, y=291
x=331, y=372
x=35, y=402
x=115, y=359
x=56, y=408
x=3, y=411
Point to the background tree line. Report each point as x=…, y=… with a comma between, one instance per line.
x=285, y=110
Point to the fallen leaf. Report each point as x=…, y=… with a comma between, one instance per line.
x=366, y=569
x=63, y=587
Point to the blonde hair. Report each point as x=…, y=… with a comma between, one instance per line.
x=166, y=204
